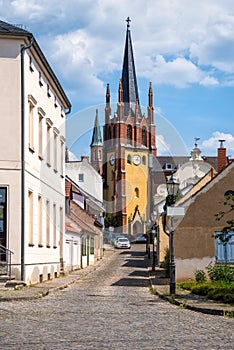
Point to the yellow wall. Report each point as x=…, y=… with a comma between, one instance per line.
x=136, y=176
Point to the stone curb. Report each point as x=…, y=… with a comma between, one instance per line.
x=213, y=309
x=32, y=292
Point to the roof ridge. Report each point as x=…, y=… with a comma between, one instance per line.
x=12, y=29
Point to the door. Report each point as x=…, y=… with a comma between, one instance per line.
x=3, y=221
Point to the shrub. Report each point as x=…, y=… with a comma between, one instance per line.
x=187, y=284
x=221, y=294
x=221, y=273
x=167, y=262
x=201, y=288
x=200, y=276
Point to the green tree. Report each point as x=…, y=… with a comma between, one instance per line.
x=111, y=220
x=228, y=230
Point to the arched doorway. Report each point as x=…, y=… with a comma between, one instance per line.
x=137, y=228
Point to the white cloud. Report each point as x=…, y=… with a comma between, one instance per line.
x=178, y=72
x=213, y=143
x=162, y=146
x=174, y=43
x=209, y=81
x=72, y=156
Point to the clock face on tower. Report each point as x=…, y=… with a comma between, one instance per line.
x=136, y=159
x=112, y=159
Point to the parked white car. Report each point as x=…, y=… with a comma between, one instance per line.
x=122, y=242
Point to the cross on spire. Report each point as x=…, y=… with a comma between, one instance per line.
x=128, y=22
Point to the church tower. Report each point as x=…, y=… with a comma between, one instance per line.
x=97, y=147
x=129, y=142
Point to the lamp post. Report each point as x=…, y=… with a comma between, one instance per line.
x=153, y=218
x=172, y=189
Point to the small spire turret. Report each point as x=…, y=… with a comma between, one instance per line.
x=120, y=91
x=150, y=96
x=97, y=137
x=108, y=93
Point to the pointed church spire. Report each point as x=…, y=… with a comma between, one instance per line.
x=129, y=81
x=97, y=137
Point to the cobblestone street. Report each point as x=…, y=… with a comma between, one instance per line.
x=111, y=308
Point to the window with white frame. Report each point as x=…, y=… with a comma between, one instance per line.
x=32, y=103
x=54, y=227
x=41, y=115
x=62, y=155
x=168, y=166
x=30, y=218
x=225, y=250
x=47, y=223
x=39, y=200
x=81, y=177
x=48, y=140
x=56, y=132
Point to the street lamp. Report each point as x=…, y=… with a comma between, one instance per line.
x=172, y=189
x=153, y=218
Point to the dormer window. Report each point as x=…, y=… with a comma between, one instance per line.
x=81, y=177
x=168, y=166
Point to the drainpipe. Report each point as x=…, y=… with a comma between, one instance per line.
x=23, y=49
x=68, y=111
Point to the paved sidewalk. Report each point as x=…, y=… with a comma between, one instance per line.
x=161, y=286
x=42, y=289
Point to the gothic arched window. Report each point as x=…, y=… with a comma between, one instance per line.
x=129, y=159
x=129, y=134
x=144, y=136
x=136, y=192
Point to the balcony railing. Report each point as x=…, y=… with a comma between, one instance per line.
x=5, y=261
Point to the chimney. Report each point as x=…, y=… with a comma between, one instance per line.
x=222, y=157
x=85, y=158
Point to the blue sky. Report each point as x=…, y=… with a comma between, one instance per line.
x=186, y=48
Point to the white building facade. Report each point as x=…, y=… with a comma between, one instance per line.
x=32, y=158
x=82, y=173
